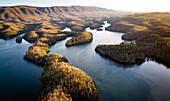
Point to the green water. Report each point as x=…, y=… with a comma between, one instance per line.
x=19, y=79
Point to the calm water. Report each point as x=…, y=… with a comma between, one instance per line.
x=115, y=81
x=19, y=80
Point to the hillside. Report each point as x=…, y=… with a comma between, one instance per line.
x=137, y=25
x=28, y=13
x=16, y=20
x=151, y=32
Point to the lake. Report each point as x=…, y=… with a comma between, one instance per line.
x=115, y=81
x=19, y=79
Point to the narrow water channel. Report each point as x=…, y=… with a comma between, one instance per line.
x=19, y=79
x=116, y=81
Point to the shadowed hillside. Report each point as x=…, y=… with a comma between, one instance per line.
x=28, y=13
x=16, y=20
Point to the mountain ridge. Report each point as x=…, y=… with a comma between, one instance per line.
x=29, y=13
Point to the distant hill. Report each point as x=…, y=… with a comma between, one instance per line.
x=137, y=25
x=15, y=20
x=30, y=13
x=149, y=31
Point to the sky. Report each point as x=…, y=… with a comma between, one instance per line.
x=126, y=5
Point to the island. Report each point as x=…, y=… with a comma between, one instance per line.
x=81, y=38
x=19, y=39
x=43, y=27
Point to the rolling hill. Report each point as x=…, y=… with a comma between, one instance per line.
x=15, y=20
x=138, y=25
x=29, y=13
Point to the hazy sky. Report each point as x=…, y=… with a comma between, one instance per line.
x=127, y=5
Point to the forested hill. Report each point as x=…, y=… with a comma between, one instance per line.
x=30, y=13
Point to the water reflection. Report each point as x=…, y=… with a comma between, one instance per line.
x=19, y=79
x=115, y=81
x=148, y=81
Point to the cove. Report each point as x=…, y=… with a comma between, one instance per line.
x=115, y=81
x=19, y=79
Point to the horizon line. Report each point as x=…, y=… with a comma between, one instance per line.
x=15, y=5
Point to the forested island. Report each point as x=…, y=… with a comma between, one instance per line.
x=43, y=27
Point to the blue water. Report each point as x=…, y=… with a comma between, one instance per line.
x=19, y=79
